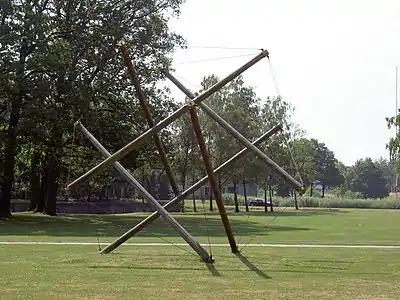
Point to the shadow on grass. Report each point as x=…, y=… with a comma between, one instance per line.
x=28, y=224
x=330, y=261
x=319, y=267
x=319, y=270
x=210, y=267
x=251, y=266
x=213, y=270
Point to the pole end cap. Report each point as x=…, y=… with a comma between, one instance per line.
x=302, y=190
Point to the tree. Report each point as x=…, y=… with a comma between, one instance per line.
x=304, y=158
x=273, y=111
x=59, y=64
x=20, y=33
x=326, y=170
x=344, y=171
x=242, y=111
x=366, y=178
x=238, y=105
x=185, y=156
x=386, y=168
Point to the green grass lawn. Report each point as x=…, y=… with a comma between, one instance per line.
x=142, y=272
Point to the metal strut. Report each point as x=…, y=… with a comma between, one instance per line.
x=164, y=123
x=226, y=166
x=299, y=187
x=113, y=160
x=146, y=111
x=157, y=206
x=211, y=176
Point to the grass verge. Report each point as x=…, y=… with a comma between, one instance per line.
x=80, y=272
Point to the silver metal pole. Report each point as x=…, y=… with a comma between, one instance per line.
x=164, y=123
x=297, y=185
x=222, y=168
x=160, y=209
x=252, y=148
x=396, y=126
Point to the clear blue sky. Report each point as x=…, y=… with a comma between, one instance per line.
x=334, y=61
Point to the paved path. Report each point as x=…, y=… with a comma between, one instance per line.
x=213, y=245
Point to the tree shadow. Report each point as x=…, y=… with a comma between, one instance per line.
x=321, y=270
x=330, y=261
x=311, y=266
x=113, y=226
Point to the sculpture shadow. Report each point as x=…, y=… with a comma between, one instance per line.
x=251, y=266
x=210, y=267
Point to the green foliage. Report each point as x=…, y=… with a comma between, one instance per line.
x=229, y=199
x=59, y=63
x=326, y=170
x=304, y=154
x=314, y=193
x=387, y=169
x=341, y=192
x=339, y=203
x=366, y=178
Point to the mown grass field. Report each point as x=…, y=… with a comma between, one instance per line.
x=169, y=272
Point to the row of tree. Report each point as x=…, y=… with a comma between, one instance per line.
x=58, y=64
x=308, y=160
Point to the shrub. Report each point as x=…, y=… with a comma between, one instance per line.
x=229, y=199
x=339, y=202
x=316, y=193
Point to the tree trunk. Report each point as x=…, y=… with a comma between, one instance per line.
x=211, y=199
x=183, y=201
x=183, y=174
x=144, y=185
x=296, y=205
x=193, y=195
x=10, y=149
x=235, y=198
x=220, y=187
x=245, y=195
x=194, y=203
x=53, y=169
x=8, y=174
x=34, y=193
x=270, y=194
x=311, y=189
x=265, y=196
x=183, y=206
x=323, y=191
x=43, y=187
x=10, y=152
